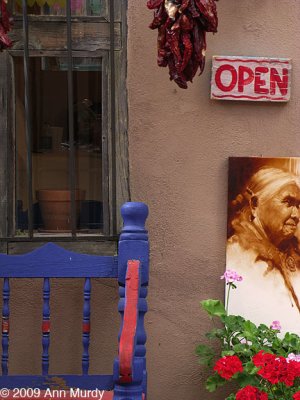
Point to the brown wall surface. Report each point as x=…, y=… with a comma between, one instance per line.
x=179, y=143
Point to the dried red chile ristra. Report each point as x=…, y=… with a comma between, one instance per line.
x=181, y=43
x=5, y=26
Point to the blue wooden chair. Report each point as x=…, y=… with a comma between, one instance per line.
x=130, y=267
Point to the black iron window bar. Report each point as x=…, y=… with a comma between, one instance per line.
x=28, y=124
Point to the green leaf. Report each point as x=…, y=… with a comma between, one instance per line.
x=242, y=350
x=235, y=340
x=214, y=308
x=231, y=397
x=250, y=330
x=216, y=334
x=245, y=379
x=291, y=342
x=227, y=353
x=263, y=327
x=234, y=323
x=213, y=382
x=206, y=354
x=250, y=368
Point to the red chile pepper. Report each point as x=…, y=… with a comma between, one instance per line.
x=193, y=10
x=173, y=40
x=208, y=9
x=188, y=49
x=186, y=24
x=160, y=17
x=152, y=4
x=5, y=20
x=5, y=26
x=178, y=78
x=184, y=5
x=181, y=43
x=199, y=41
x=162, y=53
x=202, y=60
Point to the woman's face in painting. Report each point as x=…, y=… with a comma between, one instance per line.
x=279, y=215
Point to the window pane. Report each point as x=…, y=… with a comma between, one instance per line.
x=51, y=150
x=58, y=7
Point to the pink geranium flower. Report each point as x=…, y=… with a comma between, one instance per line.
x=231, y=276
x=293, y=357
x=276, y=325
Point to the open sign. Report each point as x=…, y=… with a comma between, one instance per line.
x=252, y=79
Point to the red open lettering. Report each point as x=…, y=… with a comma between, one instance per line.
x=246, y=76
x=232, y=83
x=282, y=83
x=250, y=78
x=259, y=83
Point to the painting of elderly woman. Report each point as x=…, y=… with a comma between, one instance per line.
x=264, y=239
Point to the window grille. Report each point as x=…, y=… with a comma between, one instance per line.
x=23, y=219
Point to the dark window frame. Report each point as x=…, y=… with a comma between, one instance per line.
x=116, y=162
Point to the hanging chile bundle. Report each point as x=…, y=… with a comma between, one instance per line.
x=5, y=26
x=182, y=27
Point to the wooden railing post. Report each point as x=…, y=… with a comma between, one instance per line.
x=134, y=245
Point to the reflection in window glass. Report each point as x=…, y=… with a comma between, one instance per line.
x=50, y=146
x=58, y=7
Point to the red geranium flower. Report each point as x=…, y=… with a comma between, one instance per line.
x=261, y=359
x=296, y=396
x=276, y=369
x=251, y=393
x=227, y=366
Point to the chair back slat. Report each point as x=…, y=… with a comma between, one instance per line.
x=86, y=326
x=46, y=326
x=5, y=326
x=52, y=261
x=130, y=267
x=89, y=382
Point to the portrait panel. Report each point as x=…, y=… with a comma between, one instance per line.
x=263, y=237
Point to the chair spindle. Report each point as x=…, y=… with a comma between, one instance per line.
x=86, y=327
x=5, y=326
x=46, y=326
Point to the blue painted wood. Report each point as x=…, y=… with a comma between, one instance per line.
x=102, y=382
x=5, y=326
x=123, y=392
x=141, y=336
x=52, y=261
x=132, y=391
x=46, y=326
x=86, y=327
x=134, y=244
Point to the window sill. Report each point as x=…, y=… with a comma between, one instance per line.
x=62, y=18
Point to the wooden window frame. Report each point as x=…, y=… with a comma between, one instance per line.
x=115, y=165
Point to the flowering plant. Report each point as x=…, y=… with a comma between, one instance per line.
x=264, y=365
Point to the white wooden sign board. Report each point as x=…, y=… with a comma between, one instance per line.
x=251, y=78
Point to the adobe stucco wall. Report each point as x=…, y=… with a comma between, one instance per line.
x=179, y=143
